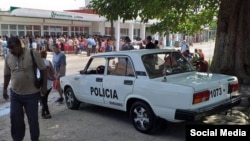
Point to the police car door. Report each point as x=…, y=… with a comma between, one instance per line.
x=118, y=82
x=91, y=81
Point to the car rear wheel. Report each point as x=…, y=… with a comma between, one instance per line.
x=71, y=101
x=142, y=117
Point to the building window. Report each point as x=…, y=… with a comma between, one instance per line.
x=21, y=33
x=86, y=30
x=46, y=28
x=13, y=33
x=28, y=27
x=28, y=33
x=36, y=27
x=81, y=30
x=4, y=27
x=12, y=27
x=20, y=27
x=37, y=33
x=65, y=30
x=76, y=28
x=5, y=32
x=37, y=30
x=46, y=33
x=108, y=31
x=136, y=33
x=124, y=31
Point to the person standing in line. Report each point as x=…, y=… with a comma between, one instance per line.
x=59, y=64
x=44, y=98
x=76, y=45
x=149, y=44
x=109, y=47
x=24, y=95
x=91, y=43
x=156, y=43
x=127, y=44
x=201, y=54
x=184, y=46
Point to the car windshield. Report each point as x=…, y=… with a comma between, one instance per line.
x=167, y=63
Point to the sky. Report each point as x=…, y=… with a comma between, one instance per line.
x=55, y=5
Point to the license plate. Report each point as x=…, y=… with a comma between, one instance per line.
x=215, y=92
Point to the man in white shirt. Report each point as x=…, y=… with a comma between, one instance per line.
x=184, y=46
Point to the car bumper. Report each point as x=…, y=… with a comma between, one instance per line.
x=188, y=115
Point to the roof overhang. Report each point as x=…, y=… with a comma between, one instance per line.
x=26, y=12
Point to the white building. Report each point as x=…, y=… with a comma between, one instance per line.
x=25, y=21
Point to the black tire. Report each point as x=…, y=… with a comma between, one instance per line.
x=70, y=99
x=142, y=117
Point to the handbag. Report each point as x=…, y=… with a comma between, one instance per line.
x=38, y=81
x=50, y=72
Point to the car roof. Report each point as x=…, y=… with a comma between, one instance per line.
x=139, y=52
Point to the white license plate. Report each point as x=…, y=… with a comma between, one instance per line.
x=215, y=92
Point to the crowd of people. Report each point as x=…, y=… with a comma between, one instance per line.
x=67, y=44
x=79, y=44
x=197, y=58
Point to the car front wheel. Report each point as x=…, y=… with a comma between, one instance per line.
x=71, y=101
x=142, y=117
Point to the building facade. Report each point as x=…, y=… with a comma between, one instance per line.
x=24, y=21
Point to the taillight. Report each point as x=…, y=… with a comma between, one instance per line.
x=233, y=87
x=201, y=97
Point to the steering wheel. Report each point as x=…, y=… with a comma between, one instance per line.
x=175, y=70
x=100, y=69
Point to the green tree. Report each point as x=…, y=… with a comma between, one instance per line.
x=188, y=17
x=184, y=16
x=232, y=46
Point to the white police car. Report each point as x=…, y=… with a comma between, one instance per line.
x=150, y=85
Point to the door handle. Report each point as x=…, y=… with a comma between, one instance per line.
x=128, y=82
x=98, y=80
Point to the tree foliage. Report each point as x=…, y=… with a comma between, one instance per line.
x=171, y=16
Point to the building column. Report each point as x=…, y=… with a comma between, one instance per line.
x=102, y=28
x=170, y=39
x=117, y=34
x=42, y=32
x=156, y=36
x=142, y=31
x=131, y=31
x=69, y=30
x=164, y=41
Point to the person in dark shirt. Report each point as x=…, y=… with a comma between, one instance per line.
x=127, y=45
x=156, y=43
x=202, y=65
x=149, y=44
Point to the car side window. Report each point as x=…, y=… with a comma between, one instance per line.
x=97, y=66
x=120, y=66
